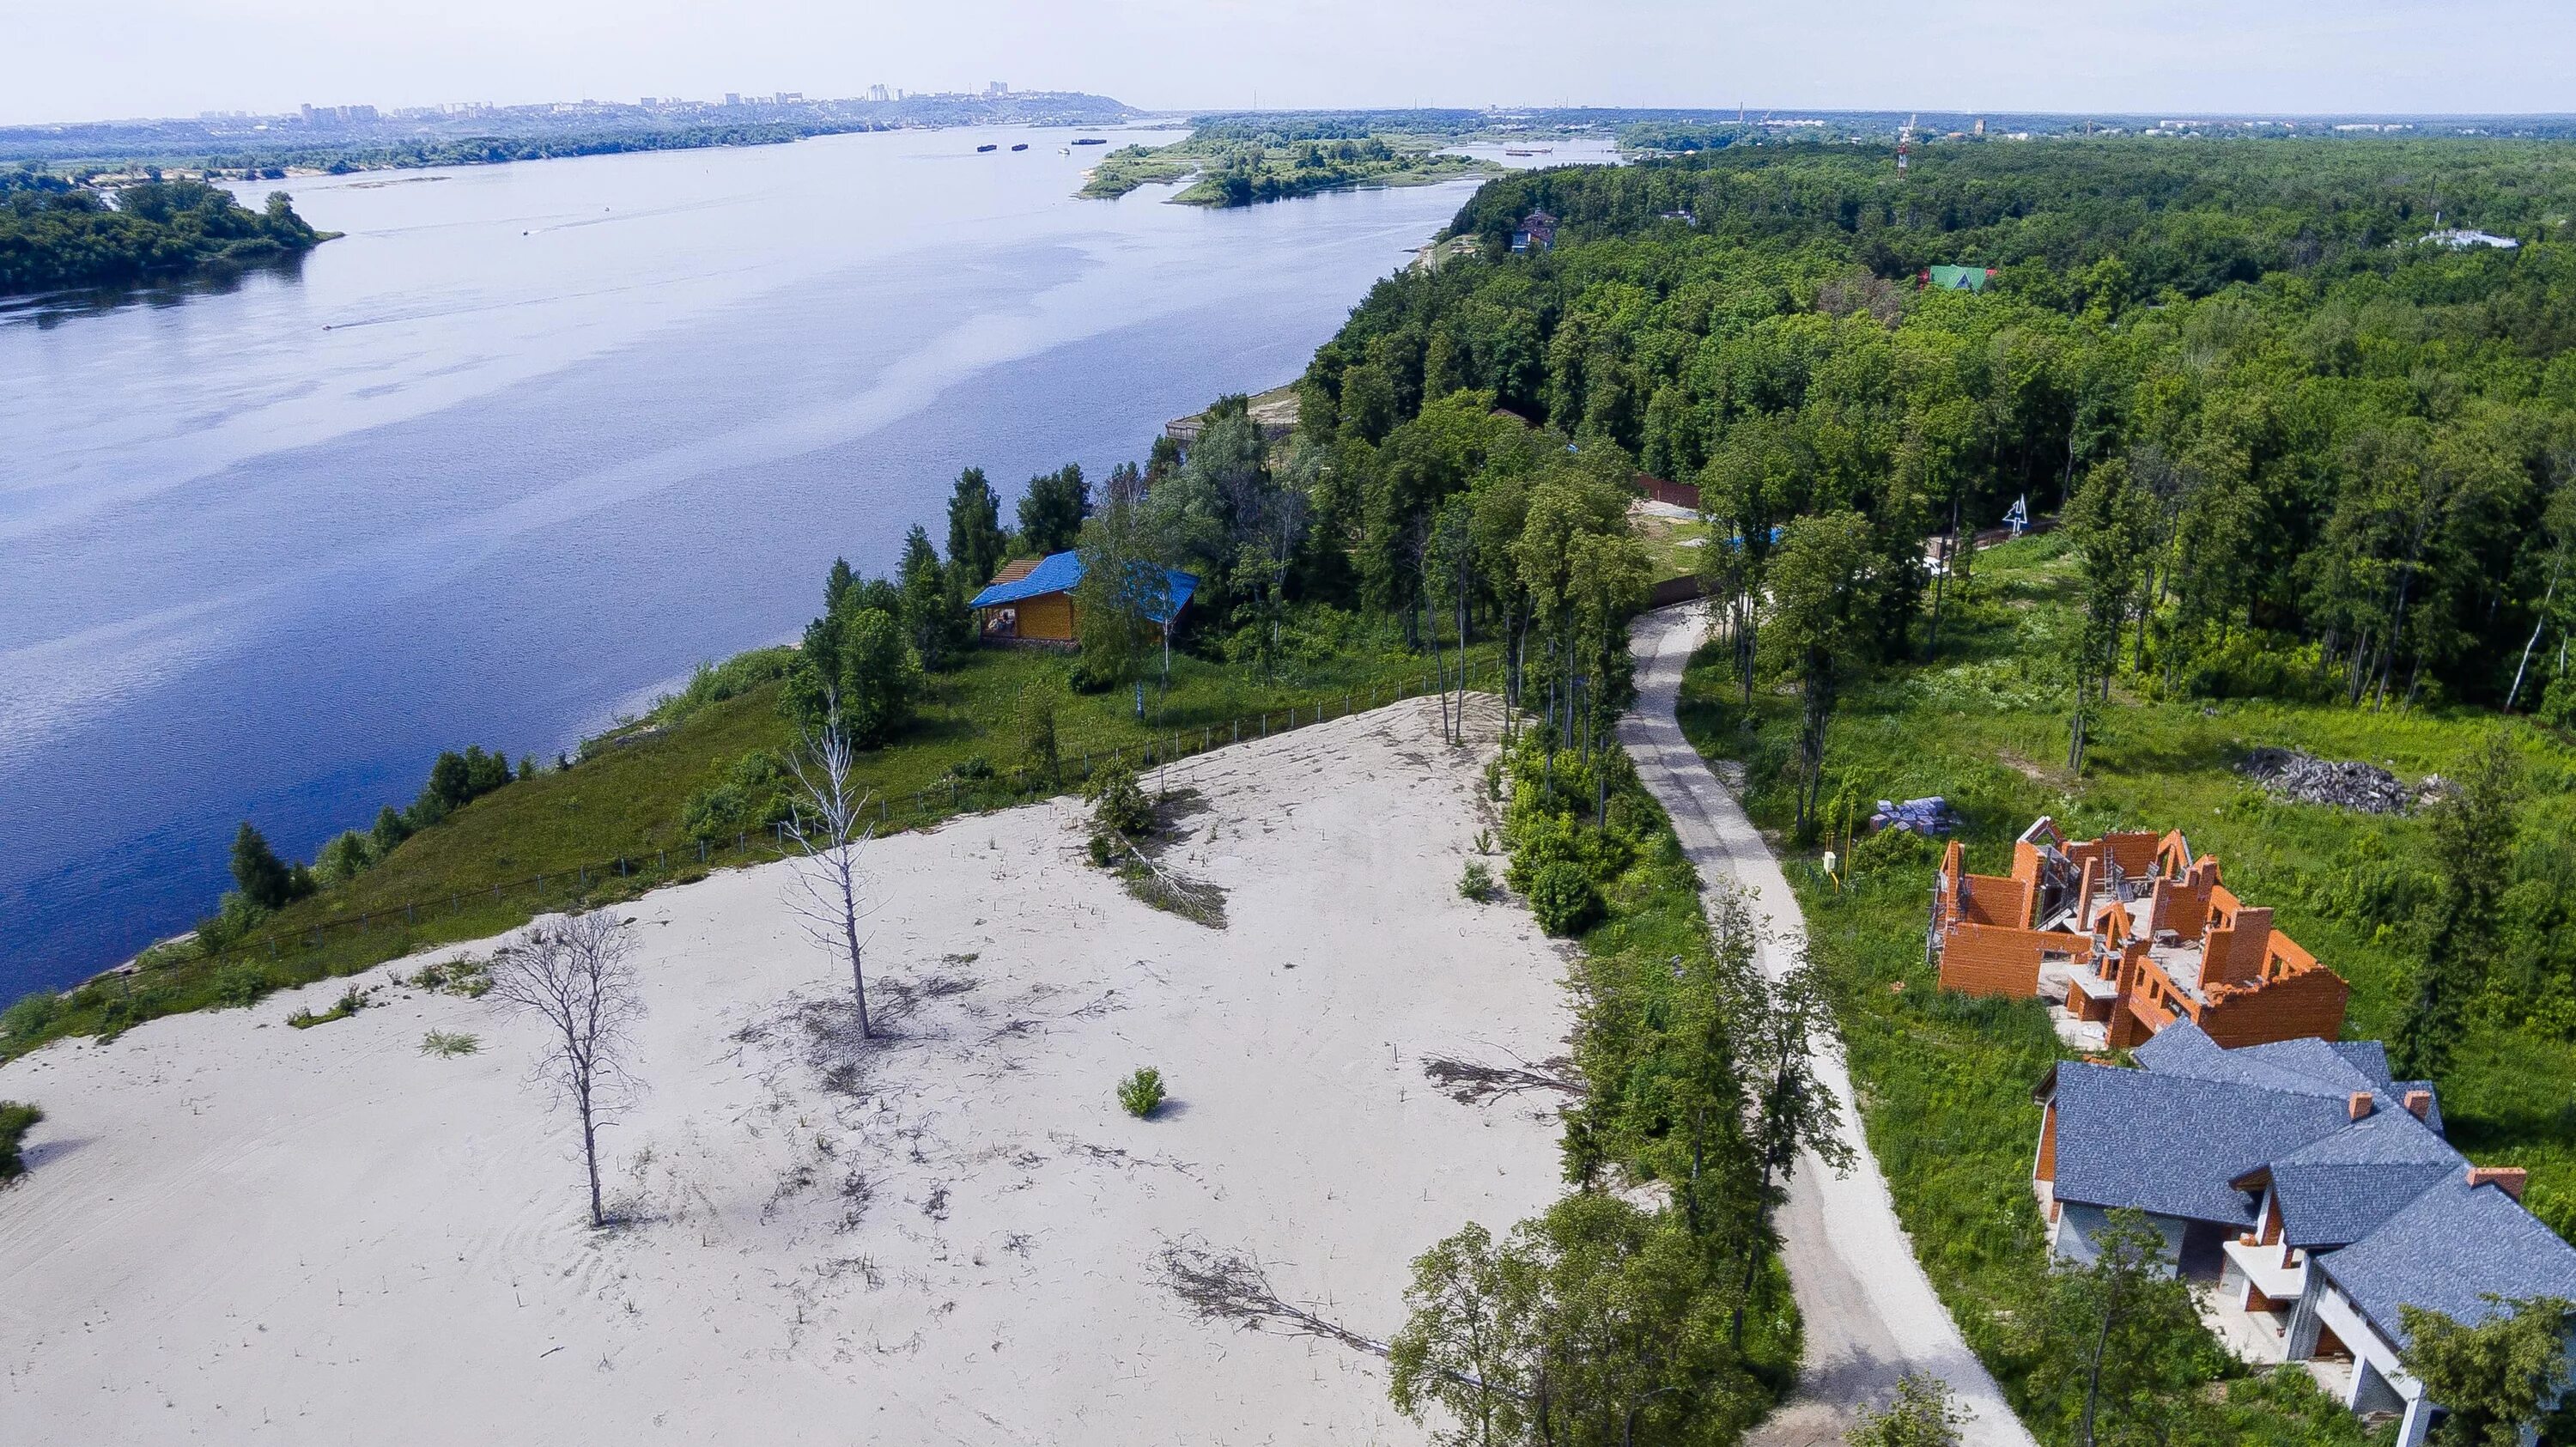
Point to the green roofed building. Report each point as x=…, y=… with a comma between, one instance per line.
x=1957, y=278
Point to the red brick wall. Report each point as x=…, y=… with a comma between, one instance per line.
x=2300, y=1005
x=1991, y=960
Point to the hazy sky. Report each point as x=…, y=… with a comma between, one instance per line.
x=109, y=58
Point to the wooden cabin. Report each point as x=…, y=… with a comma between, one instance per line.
x=1030, y=602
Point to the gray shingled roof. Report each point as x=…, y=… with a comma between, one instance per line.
x=2299, y=1067
x=2169, y=1144
x=2448, y=1250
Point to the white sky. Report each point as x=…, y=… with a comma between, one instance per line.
x=113, y=58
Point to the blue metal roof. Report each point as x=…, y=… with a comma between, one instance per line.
x=1060, y=572
x=1055, y=573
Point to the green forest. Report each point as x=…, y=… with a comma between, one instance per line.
x=2340, y=453
x=56, y=233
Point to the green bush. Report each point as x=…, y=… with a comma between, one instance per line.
x=343, y=859
x=234, y=918
x=449, y=1043
x=1141, y=1092
x=16, y=1119
x=1118, y=801
x=30, y=1017
x=1477, y=883
x=349, y=1003
x=754, y=794
x=241, y=985
x=469, y=978
x=1895, y=851
x=1564, y=898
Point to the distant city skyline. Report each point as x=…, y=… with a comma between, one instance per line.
x=181, y=58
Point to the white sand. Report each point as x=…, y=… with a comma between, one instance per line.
x=234, y=1231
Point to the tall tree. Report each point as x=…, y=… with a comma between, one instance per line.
x=1052, y=510
x=934, y=618
x=1820, y=585
x=828, y=889
x=2108, y=521
x=1123, y=602
x=574, y=972
x=2474, y=824
x=265, y=879
x=976, y=540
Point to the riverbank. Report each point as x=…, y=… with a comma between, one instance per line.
x=544, y=460
x=962, y=1233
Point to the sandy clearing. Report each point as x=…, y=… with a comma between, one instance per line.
x=237, y=1231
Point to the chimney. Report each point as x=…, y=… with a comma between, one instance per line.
x=2508, y=1179
x=2419, y=1104
x=2361, y=1105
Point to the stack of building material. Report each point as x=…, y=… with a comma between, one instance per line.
x=2298, y=775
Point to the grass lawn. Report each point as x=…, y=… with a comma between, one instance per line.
x=475, y=873
x=1945, y=1080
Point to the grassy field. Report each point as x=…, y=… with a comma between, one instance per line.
x=1945, y=1080
x=1673, y=546
x=475, y=874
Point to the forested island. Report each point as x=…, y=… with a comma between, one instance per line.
x=56, y=233
x=1243, y=160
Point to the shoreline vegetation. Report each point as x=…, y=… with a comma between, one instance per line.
x=337, y=140
x=57, y=234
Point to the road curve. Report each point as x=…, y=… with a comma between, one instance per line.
x=1870, y=1313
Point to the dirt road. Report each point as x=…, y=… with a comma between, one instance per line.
x=1870, y=1314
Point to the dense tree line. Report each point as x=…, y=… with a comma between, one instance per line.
x=2339, y=454
x=55, y=234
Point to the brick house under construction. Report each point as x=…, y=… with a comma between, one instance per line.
x=2132, y=933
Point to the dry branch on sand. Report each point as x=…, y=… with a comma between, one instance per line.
x=1472, y=1082
x=1232, y=1286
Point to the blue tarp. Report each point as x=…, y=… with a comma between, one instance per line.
x=1059, y=572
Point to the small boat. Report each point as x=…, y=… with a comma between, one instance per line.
x=1091, y=141
x=979, y=150
x=1022, y=146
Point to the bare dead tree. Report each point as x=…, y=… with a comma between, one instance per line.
x=572, y=972
x=829, y=892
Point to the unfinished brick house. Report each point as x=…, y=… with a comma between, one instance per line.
x=2130, y=933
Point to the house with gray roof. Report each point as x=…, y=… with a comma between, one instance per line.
x=2312, y=1193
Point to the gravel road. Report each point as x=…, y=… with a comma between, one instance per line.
x=1870, y=1314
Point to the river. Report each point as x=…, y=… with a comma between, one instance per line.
x=530, y=441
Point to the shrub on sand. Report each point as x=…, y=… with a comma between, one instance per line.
x=449, y=1043
x=16, y=1120
x=349, y=1004
x=1564, y=898
x=1141, y=1092
x=1477, y=883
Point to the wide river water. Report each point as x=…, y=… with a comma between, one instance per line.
x=530, y=441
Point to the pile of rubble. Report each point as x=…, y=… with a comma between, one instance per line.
x=2298, y=775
